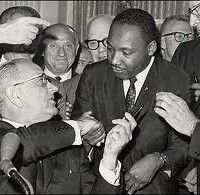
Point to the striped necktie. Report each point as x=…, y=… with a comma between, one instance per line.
x=130, y=96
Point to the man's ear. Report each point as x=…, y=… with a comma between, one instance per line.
x=162, y=43
x=152, y=47
x=12, y=93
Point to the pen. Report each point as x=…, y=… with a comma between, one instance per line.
x=136, y=112
x=195, y=78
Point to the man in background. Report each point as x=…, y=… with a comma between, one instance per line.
x=174, y=30
x=97, y=34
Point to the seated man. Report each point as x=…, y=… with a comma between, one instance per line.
x=27, y=98
x=174, y=30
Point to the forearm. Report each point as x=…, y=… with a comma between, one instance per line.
x=44, y=138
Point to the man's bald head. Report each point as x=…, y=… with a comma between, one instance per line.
x=60, y=32
x=99, y=26
x=98, y=29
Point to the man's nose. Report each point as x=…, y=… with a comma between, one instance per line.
x=61, y=51
x=115, y=59
x=101, y=48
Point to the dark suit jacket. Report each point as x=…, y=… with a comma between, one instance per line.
x=47, y=160
x=187, y=56
x=100, y=91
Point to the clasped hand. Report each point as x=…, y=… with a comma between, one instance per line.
x=92, y=130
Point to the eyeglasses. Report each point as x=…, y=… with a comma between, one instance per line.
x=179, y=36
x=42, y=76
x=194, y=10
x=93, y=44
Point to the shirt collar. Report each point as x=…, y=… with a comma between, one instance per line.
x=14, y=124
x=142, y=75
x=63, y=77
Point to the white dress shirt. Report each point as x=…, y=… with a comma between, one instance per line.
x=141, y=77
x=63, y=77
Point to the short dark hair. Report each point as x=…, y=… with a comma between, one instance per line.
x=140, y=18
x=168, y=20
x=7, y=14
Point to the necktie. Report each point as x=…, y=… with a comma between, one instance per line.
x=58, y=78
x=130, y=96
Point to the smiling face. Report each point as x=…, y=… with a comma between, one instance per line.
x=36, y=97
x=59, y=53
x=127, y=50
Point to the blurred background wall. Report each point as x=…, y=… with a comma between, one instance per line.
x=77, y=13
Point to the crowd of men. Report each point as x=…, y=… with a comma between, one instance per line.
x=118, y=113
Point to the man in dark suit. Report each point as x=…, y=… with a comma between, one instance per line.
x=177, y=113
x=156, y=153
x=27, y=98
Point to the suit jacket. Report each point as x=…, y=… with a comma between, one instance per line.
x=66, y=92
x=186, y=56
x=100, y=91
x=47, y=160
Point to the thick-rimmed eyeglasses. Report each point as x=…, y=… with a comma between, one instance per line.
x=42, y=76
x=194, y=10
x=93, y=44
x=179, y=36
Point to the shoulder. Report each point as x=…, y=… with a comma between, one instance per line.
x=171, y=72
x=189, y=45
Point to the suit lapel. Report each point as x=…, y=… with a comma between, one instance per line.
x=148, y=91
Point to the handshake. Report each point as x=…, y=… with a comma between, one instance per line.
x=93, y=132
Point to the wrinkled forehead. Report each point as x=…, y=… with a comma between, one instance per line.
x=60, y=34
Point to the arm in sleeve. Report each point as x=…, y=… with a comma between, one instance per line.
x=83, y=102
x=97, y=185
x=41, y=139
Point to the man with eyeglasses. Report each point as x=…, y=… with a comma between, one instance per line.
x=97, y=33
x=174, y=30
x=44, y=157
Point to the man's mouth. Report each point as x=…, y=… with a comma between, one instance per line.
x=117, y=69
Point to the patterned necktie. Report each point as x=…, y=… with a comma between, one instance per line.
x=130, y=96
x=58, y=78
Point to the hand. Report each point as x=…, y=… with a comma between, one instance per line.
x=191, y=180
x=142, y=172
x=69, y=108
x=92, y=131
x=21, y=31
x=196, y=88
x=116, y=139
x=176, y=112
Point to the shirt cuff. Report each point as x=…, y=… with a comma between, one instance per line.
x=111, y=177
x=74, y=124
